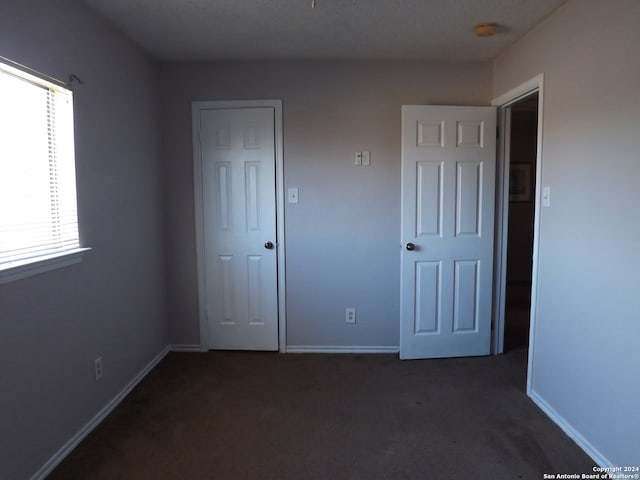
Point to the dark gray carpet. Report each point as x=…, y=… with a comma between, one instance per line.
x=237, y=415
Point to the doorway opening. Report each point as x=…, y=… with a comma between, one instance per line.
x=518, y=196
x=522, y=157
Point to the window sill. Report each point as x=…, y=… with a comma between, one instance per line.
x=35, y=266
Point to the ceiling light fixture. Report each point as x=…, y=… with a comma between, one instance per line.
x=485, y=29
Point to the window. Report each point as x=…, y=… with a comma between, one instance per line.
x=38, y=209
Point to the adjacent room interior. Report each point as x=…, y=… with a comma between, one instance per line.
x=135, y=297
x=520, y=225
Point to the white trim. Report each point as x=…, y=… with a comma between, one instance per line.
x=66, y=449
x=185, y=348
x=518, y=92
x=536, y=235
x=566, y=427
x=35, y=266
x=501, y=230
x=334, y=349
x=196, y=107
x=198, y=202
x=502, y=101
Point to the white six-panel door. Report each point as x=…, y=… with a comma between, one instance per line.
x=448, y=177
x=239, y=227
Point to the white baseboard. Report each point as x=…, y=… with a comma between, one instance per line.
x=185, y=348
x=53, y=462
x=330, y=349
x=571, y=432
x=303, y=349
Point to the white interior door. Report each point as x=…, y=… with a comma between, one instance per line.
x=448, y=178
x=239, y=227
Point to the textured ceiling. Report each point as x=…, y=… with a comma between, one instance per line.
x=202, y=30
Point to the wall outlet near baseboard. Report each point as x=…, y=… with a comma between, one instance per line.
x=97, y=368
x=350, y=315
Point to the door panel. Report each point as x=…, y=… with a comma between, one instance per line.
x=468, y=199
x=429, y=199
x=448, y=169
x=239, y=210
x=427, y=292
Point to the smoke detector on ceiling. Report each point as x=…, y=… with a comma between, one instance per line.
x=485, y=29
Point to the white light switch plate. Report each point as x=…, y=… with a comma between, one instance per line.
x=546, y=196
x=292, y=195
x=366, y=158
x=350, y=315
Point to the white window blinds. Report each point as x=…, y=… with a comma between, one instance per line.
x=38, y=213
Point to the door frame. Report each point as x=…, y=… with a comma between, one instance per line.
x=196, y=108
x=503, y=101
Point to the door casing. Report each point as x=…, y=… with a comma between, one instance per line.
x=503, y=101
x=196, y=108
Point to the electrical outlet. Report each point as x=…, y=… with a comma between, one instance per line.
x=350, y=315
x=97, y=368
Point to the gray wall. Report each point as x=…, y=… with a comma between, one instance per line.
x=343, y=238
x=52, y=326
x=587, y=331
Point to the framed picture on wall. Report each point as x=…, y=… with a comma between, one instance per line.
x=520, y=182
